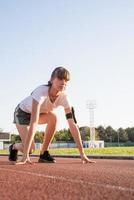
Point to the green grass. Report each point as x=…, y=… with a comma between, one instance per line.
x=117, y=151
x=3, y=152
x=123, y=151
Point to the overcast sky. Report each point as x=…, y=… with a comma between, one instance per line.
x=94, y=40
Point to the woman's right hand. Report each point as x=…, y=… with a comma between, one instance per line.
x=85, y=159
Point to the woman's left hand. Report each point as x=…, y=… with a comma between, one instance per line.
x=24, y=161
x=85, y=159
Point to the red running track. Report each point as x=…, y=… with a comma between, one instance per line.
x=67, y=179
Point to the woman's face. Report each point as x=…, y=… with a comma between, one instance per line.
x=59, y=84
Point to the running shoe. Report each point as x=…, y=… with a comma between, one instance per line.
x=46, y=158
x=13, y=153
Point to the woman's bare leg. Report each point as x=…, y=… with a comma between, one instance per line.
x=51, y=121
x=23, y=131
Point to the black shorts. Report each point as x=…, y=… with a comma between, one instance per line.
x=21, y=117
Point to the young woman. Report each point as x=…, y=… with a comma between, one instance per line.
x=38, y=109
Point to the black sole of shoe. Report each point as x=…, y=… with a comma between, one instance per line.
x=45, y=161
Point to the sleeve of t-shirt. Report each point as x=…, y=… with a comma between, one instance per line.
x=65, y=102
x=39, y=94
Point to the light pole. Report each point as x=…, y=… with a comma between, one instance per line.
x=91, y=105
x=118, y=139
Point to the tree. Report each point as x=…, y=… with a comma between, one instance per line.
x=111, y=134
x=130, y=133
x=123, y=137
x=63, y=135
x=15, y=138
x=97, y=136
x=101, y=133
x=38, y=138
x=85, y=133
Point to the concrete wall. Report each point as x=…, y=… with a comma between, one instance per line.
x=1, y=145
x=93, y=144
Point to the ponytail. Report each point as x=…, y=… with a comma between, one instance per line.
x=49, y=84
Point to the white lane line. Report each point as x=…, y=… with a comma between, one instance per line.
x=113, y=187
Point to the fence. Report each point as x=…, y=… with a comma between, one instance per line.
x=116, y=144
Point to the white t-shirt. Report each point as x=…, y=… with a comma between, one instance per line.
x=40, y=94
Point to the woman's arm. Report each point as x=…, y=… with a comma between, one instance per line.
x=33, y=124
x=76, y=135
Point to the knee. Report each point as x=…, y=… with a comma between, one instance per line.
x=53, y=118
